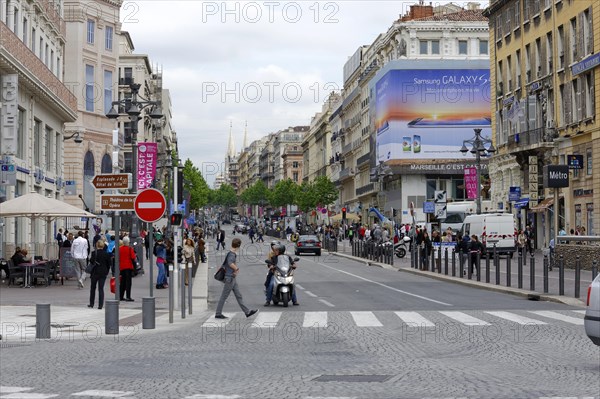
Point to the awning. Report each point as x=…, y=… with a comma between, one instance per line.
x=542, y=206
x=522, y=203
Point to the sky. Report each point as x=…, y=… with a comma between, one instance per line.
x=270, y=64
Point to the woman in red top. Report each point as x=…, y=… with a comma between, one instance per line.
x=126, y=259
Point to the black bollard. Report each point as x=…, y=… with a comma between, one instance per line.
x=520, y=271
x=577, y=276
x=487, y=268
x=453, y=263
x=439, y=261
x=497, y=265
x=546, y=266
x=561, y=276
x=432, y=255
x=446, y=262
x=461, y=261
x=469, y=271
x=508, y=272
x=478, y=266
x=532, y=273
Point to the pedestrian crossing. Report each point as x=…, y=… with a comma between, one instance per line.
x=377, y=319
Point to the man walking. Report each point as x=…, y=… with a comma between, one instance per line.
x=230, y=284
x=79, y=252
x=221, y=239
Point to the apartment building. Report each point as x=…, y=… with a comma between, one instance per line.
x=546, y=100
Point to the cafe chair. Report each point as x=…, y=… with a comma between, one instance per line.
x=41, y=272
x=15, y=272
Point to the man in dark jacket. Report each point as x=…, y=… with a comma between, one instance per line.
x=476, y=250
x=102, y=261
x=221, y=239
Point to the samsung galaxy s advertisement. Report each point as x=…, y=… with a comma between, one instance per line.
x=428, y=113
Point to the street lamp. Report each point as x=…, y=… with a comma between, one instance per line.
x=133, y=109
x=478, y=144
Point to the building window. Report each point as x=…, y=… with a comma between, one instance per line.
x=108, y=40
x=295, y=176
x=588, y=95
x=589, y=162
x=587, y=27
x=108, y=92
x=25, y=31
x=57, y=148
x=89, y=88
x=295, y=164
x=560, y=47
x=41, y=47
x=46, y=54
x=423, y=47
x=575, y=171
x=106, y=165
x=518, y=69
x=549, y=53
x=33, y=40
x=462, y=47
x=590, y=219
x=91, y=26
x=483, y=47
x=527, y=63
x=16, y=22
x=573, y=37
x=128, y=162
x=37, y=142
x=52, y=61
x=575, y=101
x=21, y=133
x=48, y=152
x=435, y=47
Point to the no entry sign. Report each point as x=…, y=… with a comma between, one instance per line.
x=150, y=205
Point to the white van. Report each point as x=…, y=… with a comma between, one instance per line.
x=456, y=212
x=493, y=228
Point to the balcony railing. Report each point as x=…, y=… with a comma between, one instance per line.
x=365, y=189
x=363, y=159
x=532, y=137
x=347, y=148
x=345, y=173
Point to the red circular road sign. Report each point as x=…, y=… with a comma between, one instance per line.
x=150, y=205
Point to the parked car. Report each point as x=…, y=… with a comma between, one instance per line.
x=308, y=243
x=592, y=314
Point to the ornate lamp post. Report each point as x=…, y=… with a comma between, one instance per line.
x=133, y=108
x=478, y=144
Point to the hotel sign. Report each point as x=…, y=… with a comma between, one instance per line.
x=589, y=63
x=9, y=114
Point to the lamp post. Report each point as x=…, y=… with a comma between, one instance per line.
x=134, y=108
x=478, y=144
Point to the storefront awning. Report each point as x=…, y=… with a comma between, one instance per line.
x=542, y=206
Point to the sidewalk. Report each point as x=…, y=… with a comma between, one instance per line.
x=404, y=265
x=71, y=318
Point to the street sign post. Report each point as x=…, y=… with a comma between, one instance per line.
x=117, y=202
x=150, y=205
x=112, y=181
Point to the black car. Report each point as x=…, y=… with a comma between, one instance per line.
x=308, y=243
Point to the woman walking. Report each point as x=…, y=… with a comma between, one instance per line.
x=160, y=251
x=101, y=261
x=189, y=257
x=126, y=259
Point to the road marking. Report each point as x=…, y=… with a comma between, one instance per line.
x=331, y=305
x=267, y=319
x=558, y=316
x=515, y=318
x=28, y=395
x=104, y=394
x=465, y=318
x=212, y=322
x=365, y=319
x=414, y=318
x=310, y=294
x=209, y=396
x=580, y=311
x=299, y=286
x=315, y=319
x=386, y=286
x=150, y=205
x=5, y=389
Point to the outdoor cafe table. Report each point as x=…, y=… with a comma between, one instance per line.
x=28, y=266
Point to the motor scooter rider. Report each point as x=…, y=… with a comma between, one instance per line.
x=276, y=251
x=270, y=257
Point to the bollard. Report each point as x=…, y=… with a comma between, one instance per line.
x=508, y=272
x=182, y=287
x=453, y=263
x=497, y=265
x=190, y=283
x=532, y=273
x=461, y=260
x=469, y=271
x=111, y=316
x=171, y=294
x=439, y=260
x=524, y=256
x=148, y=313
x=520, y=271
x=546, y=265
x=446, y=263
x=577, y=276
x=594, y=269
x=561, y=276
x=478, y=266
x=432, y=256
x=487, y=268
x=42, y=321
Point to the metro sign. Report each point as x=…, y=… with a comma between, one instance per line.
x=150, y=205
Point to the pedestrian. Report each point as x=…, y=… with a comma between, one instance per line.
x=102, y=262
x=189, y=257
x=202, y=248
x=427, y=249
x=79, y=252
x=529, y=235
x=221, y=239
x=126, y=261
x=251, y=234
x=160, y=251
x=476, y=250
x=60, y=238
x=230, y=283
x=261, y=232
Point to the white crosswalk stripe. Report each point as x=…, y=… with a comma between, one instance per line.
x=104, y=394
x=315, y=319
x=5, y=389
x=28, y=395
x=213, y=322
x=515, y=318
x=209, y=396
x=558, y=316
x=465, y=318
x=414, y=319
x=580, y=311
x=365, y=319
x=267, y=319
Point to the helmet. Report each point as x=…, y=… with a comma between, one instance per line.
x=273, y=243
x=281, y=249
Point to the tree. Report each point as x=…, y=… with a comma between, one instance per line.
x=194, y=183
x=283, y=193
x=325, y=191
x=306, y=198
x=224, y=196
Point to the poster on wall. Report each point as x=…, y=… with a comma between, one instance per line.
x=428, y=113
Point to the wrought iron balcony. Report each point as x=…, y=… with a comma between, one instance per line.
x=363, y=159
x=345, y=173
x=530, y=139
x=365, y=189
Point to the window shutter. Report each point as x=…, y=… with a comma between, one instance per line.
x=580, y=42
x=522, y=117
x=592, y=105
x=498, y=127
x=579, y=98
x=567, y=105
x=590, y=43
x=543, y=57
x=531, y=112
x=517, y=15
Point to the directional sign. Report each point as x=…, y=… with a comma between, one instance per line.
x=117, y=202
x=150, y=205
x=112, y=181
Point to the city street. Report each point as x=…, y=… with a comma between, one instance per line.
x=359, y=332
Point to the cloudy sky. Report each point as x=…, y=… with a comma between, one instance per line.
x=270, y=64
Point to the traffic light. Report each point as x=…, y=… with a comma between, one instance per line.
x=394, y=212
x=176, y=219
x=179, y=254
x=344, y=213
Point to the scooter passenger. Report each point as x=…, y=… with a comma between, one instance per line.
x=276, y=251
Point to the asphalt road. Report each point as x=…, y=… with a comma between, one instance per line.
x=359, y=332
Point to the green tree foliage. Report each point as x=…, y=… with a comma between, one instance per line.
x=224, y=196
x=321, y=192
x=284, y=193
x=257, y=194
x=194, y=183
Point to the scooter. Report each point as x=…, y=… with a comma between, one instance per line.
x=401, y=247
x=284, y=280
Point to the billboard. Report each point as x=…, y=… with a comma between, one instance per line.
x=426, y=111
